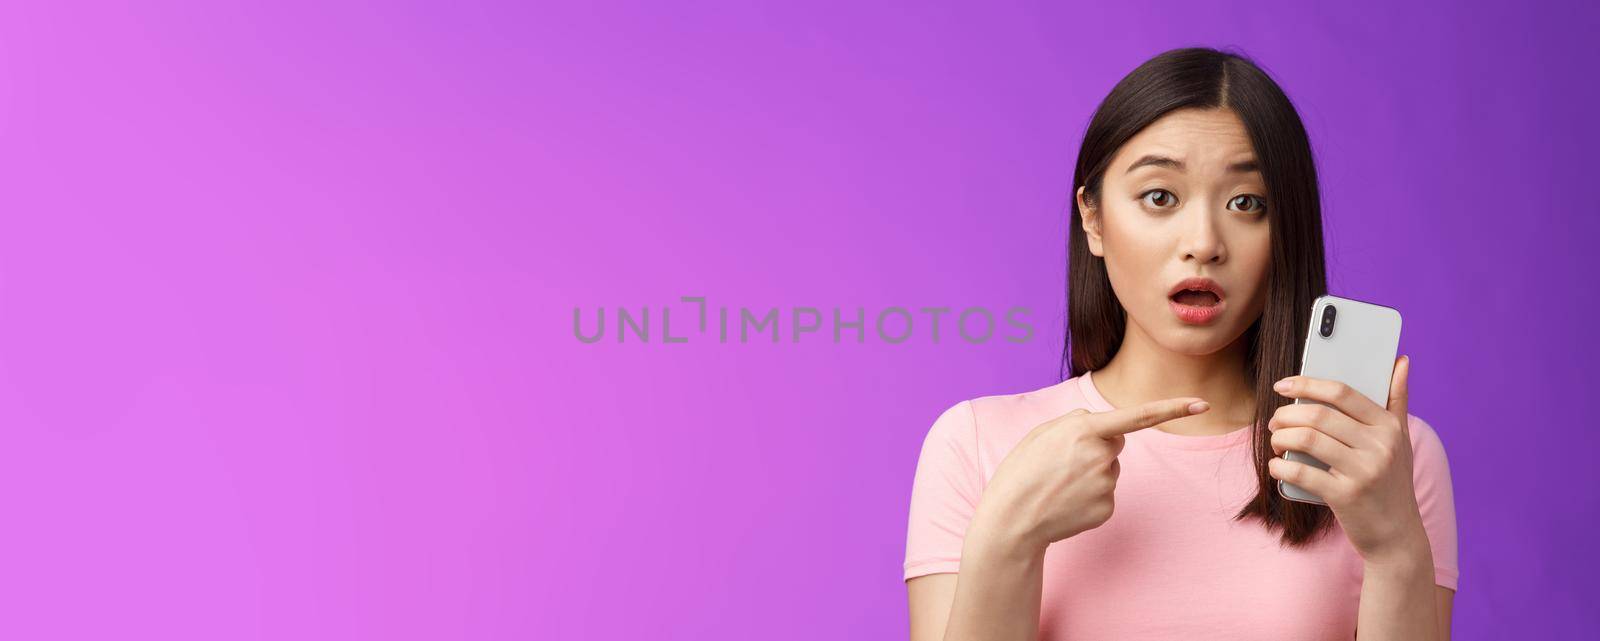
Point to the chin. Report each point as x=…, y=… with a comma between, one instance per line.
x=1196, y=340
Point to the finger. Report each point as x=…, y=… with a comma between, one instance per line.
x=1131, y=419
x=1342, y=397
x=1309, y=441
x=1057, y=421
x=1400, y=391
x=1117, y=443
x=1318, y=482
x=1324, y=419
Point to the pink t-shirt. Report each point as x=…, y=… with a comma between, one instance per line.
x=1171, y=563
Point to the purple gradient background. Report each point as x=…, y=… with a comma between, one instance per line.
x=288, y=295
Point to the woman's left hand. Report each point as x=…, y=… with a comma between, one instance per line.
x=1368, y=451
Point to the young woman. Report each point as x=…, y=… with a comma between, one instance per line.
x=1195, y=254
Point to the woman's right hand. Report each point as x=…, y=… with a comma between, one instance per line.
x=1058, y=481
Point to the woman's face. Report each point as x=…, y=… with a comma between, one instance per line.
x=1180, y=200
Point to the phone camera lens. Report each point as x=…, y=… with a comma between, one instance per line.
x=1327, y=321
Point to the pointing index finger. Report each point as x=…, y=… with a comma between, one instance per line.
x=1132, y=419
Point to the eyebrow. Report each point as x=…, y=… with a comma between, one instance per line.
x=1163, y=161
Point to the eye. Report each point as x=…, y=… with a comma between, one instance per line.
x=1247, y=203
x=1158, y=199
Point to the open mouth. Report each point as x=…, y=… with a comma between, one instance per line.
x=1196, y=298
x=1196, y=301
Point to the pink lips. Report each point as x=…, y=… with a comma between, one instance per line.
x=1197, y=314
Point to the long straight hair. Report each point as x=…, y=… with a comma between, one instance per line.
x=1207, y=78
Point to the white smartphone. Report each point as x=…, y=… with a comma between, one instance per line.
x=1352, y=342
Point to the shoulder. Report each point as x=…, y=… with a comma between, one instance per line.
x=956, y=421
x=1044, y=399
x=1430, y=464
x=996, y=420
x=1425, y=440
x=1435, y=499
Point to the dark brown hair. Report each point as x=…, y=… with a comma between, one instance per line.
x=1207, y=78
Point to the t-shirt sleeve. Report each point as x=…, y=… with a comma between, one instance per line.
x=1436, y=500
x=944, y=493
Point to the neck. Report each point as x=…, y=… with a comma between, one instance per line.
x=1144, y=371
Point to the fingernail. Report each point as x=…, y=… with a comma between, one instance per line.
x=1198, y=407
x=1281, y=386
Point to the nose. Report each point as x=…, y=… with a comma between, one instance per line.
x=1202, y=241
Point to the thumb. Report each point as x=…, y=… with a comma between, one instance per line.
x=1399, y=391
